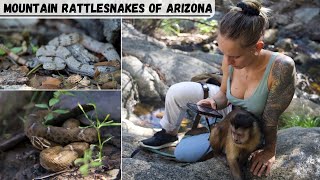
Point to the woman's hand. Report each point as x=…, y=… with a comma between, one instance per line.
x=208, y=102
x=262, y=160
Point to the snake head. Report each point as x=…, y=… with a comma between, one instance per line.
x=40, y=143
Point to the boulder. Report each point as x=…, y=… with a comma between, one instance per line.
x=174, y=65
x=270, y=36
x=150, y=86
x=298, y=157
x=107, y=102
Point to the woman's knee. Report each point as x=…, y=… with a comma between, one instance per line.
x=181, y=91
x=192, y=149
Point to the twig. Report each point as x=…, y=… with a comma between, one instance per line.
x=10, y=143
x=54, y=174
x=34, y=69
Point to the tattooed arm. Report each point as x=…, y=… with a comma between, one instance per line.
x=279, y=98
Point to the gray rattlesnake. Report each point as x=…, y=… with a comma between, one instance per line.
x=57, y=56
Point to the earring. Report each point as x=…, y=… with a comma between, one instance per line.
x=256, y=53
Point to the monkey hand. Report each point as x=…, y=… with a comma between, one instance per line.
x=262, y=160
x=208, y=102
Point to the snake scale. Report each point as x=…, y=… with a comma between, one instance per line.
x=51, y=139
x=57, y=56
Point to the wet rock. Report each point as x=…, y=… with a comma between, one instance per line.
x=305, y=14
x=294, y=30
x=285, y=44
x=282, y=19
x=312, y=28
x=206, y=48
x=301, y=59
x=186, y=26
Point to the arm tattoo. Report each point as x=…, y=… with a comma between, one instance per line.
x=279, y=98
x=281, y=92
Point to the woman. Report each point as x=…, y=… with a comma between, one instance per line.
x=255, y=79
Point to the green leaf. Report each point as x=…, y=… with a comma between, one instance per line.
x=106, y=140
x=57, y=94
x=2, y=52
x=44, y=106
x=85, y=114
x=94, y=106
x=95, y=163
x=34, y=48
x=106, y=118
x=87, y=154
x=53, y=101
x=109, y=124
x=84, y=169
x=79, y=161
x=16, y=50
x=67, y=93
x=61, y=111
x=48, y=117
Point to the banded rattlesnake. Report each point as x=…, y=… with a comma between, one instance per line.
x=57, y=56
x=51, y=139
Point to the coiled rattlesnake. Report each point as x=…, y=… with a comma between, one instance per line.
x=50, y=140
x=57, y=56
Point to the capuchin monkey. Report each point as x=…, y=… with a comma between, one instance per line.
x=238, y=135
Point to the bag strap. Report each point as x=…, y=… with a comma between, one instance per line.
x=205, y=89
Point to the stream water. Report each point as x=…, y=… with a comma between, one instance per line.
x=151, y=115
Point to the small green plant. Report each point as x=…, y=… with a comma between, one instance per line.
x=89, y=159
x=87, y=162
x=206, y=27
x=51, y=103
x=292, y=120
x=170, y=26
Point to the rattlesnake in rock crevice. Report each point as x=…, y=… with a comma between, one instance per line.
x=57, y=56
x=50, y=140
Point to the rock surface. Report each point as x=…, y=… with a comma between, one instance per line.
x=298, y=157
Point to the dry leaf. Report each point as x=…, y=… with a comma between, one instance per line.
x=35, y=81
x=85, y=82
x=51, y=83
x=73, y=79
x=110, y=85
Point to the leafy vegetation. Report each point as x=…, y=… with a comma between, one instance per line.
x=292, y=120
x=205, y=27
x=50, y=105
x=176, y=26
x=90, y=159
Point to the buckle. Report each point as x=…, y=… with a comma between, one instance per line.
x=205, y=87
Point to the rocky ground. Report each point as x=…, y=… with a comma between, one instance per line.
x=151, y=65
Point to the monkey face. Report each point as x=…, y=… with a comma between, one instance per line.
x=240, y=135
